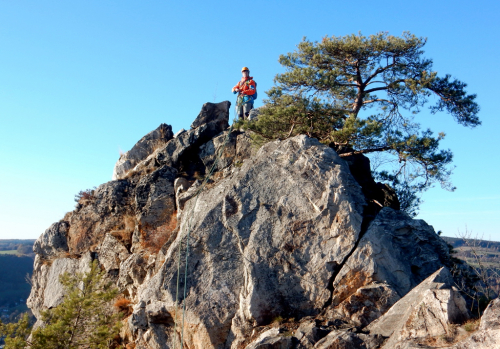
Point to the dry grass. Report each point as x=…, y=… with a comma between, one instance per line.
x=124, y=306
x=124, y=230
x=47, y=262
x=278, y=320
x=68, y=255
x=154, y=239
x=471, y=325
x=140, y=172
x=457, y=333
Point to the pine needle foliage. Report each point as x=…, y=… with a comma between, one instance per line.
x=15, y=334
x=84, y=319
x=360, y=95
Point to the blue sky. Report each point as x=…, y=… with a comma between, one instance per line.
x=82, y=81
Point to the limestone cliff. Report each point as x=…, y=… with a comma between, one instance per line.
x=288, y=232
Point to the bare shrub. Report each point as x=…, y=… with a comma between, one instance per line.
x=479, y=279
x=85, y=195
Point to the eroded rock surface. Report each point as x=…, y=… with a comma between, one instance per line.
x=488, y=334
x=281, y=232
x=142, y=149
x=53, y=241
x=426, y=311
x=394, y=256
x=273, y=245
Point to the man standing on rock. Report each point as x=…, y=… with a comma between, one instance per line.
x=246, y=89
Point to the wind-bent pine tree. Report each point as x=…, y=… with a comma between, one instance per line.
x=360, y=95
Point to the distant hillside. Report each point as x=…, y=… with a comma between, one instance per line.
x=13, y=285
x=17, y=246
x=483, y=255
x=458, y=242
x=16, y=266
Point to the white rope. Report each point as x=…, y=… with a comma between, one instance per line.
x=198, y=192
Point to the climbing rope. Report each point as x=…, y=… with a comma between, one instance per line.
x=198, y=192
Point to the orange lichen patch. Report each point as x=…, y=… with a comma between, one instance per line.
x=350, y=283
x=368, y=304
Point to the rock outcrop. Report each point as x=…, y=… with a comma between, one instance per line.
x=144, y=147
x=426, y=311
x=394, y=256
x=281, y=234
x=488, y=334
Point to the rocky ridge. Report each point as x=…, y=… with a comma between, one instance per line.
x=291, y=246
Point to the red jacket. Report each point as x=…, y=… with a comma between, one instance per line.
x=247, y=87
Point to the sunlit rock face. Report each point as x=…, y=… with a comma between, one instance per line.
x=281, y=233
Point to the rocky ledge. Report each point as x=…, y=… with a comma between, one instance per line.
x=291, y=246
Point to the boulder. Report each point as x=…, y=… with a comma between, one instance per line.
x=104, y=212
x=396, y=253
x=367, y=303
x=53, y=241
x=155, y=198
x=426, y=311
x=142, y=149
x=254, y=114
x=271, y=339
x=47, y=291
x=213, y=112
x=112, y=253
x=308, y=333
x=347, y=339
x=488, y=334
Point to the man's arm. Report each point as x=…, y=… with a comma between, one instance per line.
x=236, y=88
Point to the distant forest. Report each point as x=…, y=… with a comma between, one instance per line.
x=16, y=265
x=14, y=288
x=14, y=244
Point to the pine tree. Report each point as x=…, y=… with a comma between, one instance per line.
x=83, y=320
x=360, y=95
x=15, y=334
